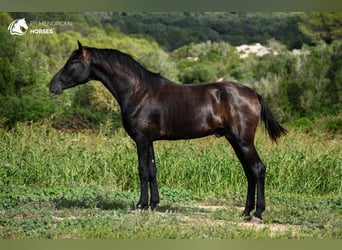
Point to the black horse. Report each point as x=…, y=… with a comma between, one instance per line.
x=154, y=108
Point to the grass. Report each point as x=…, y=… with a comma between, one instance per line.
x=84, y=184
x=97, y=213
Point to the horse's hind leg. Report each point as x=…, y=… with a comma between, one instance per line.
x=255, y=172
x=154, y=199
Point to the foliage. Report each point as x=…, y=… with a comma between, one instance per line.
x=91, y=107
x=85, y=184
x=322, y=26
x=40, y=155
x=28, y=63
x=5, y=18
x=176, y=29
x=295, y=85
x=24, y=108
x=93, y=212
x=23, y=77
x=205, y=62
x=314, y=86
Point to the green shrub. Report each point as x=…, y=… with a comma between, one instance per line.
x=334, y=124
x=26, y=108
x=199, y=73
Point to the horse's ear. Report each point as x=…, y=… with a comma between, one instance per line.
x=83, y=50
x=79, y=45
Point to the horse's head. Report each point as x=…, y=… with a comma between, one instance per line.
x=18, y=27
x=76, y=71
x=22, y=23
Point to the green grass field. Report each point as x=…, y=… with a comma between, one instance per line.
x=84, y=184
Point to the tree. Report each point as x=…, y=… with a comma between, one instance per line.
x=322, y=26
x=314, y=85
x=5, y=19
x=23, y=81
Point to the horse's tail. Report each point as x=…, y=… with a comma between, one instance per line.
x=274, y=129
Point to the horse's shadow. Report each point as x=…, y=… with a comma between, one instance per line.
x=104, y=203
x=97, y=202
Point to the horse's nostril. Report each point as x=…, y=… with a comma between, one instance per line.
x=55, y=89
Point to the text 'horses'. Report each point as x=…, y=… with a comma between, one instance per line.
x=154, y=108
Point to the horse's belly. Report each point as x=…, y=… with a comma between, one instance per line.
x=190, y=127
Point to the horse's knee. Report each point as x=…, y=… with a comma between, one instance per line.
x=259, y=171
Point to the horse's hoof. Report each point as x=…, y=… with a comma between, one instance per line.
x=141, y=206
x=246, y=216
x=153, y=205
x=256, y=220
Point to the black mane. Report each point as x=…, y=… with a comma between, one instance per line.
x=112, y=57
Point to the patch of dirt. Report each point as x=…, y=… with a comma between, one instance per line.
x=274, y=228
x=62, y=219
x=210, y=208
x=200, y=218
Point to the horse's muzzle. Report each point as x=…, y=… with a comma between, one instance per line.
x=56, y=88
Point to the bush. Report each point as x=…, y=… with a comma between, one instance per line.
x=26, y=108
x=334, y=124
x=91, y=106
x=24, y=73
x=297, y=85
x=204, y=72
x=206, y=62
x=313, y=86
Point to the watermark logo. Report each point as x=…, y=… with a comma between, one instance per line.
x=18, y=27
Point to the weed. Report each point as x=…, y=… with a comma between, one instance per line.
x=85, y=184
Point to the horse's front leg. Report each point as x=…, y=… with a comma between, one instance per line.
x=143, y=161
x=154, y=200
x=147, y=175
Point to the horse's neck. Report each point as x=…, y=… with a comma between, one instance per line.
x=120, y=85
